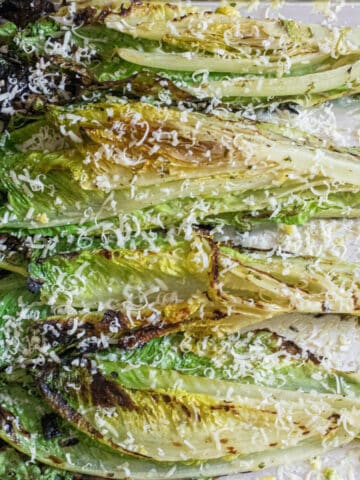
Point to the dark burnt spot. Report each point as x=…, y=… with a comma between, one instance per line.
x=224, y=440
x=215, y=264
x=62, y=330
x=69, y=442
x=106, y=393
x=114, y=374
x=124, y=11
x=8, y=428
x=50, y=426
x=10, y=424
x=335, y=417
x=273, y=444
x=12, y=243
x=140, y=336
x=106, y=253
x=349, y=69
x=155, y=397
x=103, y=14
x=55, y=460
x=231, y=450
x=293, y=329
x=218, y=315
x=23, y=12
x=84, y=16
x=33, y=285
x=56, y=400
x=111, y=316
x=177, y=444
x=185, y=409
x=229, y=407
x=356, y=302
x=292, y=107
x=291, y=347
x=313, y=358
x=205, y=229
x=67, y=255
x=306, y=432
x=324, y=307
x=162, y=397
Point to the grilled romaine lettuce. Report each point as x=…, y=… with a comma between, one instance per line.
x=260, y=357
x=172, y=415
x=95, y=297
x=256, y=374
x=187, y=53
x=30, y=426
x=137, y=166
x=42, y=435
x=196, y=284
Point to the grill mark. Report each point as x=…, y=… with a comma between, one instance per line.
x=107, y=393
x=69, y=442
x=142, y=335
x=356, y=302
x=33, y=285
x=290, y=346
x=50, y=426
x=10, y=424
x=92, y=327
x=58, y=403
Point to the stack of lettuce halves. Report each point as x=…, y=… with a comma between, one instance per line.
x=129, y=160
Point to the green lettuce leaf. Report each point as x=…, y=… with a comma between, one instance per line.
x=19, y=309
x=177, y=42
x=16, y=466
x=259, y=357
x=67, y=448
x=232, y=171
x=196, y=284
x=192, y=418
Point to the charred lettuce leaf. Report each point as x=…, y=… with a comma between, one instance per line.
x=139, y=166
x=189, y=54
x=196, y=284
x=27, y=425
x=15, y=466
x=260, y=357
x=193, y=418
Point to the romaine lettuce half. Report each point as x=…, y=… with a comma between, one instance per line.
x=135, y=166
